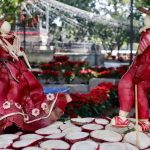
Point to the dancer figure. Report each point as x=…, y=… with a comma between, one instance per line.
x=22, y=100
x=138, y=74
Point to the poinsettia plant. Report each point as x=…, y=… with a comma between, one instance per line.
x=95, y=103
x=69, y=76
x=69, y=70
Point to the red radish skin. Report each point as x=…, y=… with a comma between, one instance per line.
x=85, y=145
x=57, y=136
x=92, y=127
x=76, y=136
x=81, y=121
x=105, y=136
x=55, y=145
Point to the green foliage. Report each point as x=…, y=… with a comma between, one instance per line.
x=9, y=9
x=144, y=3
x=83, y=4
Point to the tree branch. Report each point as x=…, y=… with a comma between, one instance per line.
x=144, y=10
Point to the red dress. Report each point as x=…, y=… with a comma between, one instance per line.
x=22, y=101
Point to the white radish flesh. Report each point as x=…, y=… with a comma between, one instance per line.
x=92, y=127
x=105, y=136
x=47, y=131
x=31, y=136
x=57, y=136
x=76, y=136
x=85, y=145
x=24, y=143
x=32, y=148
x=143, y=139
x=81, y=121
x=101, y=121
x=55, y=145
x=112, y=146
x=72, y=129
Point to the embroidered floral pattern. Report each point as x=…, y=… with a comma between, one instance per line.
x=26, y=117
x=44, y=106
x=18, y=105
x=35, y=112
x=50, y=97
x=6, y=105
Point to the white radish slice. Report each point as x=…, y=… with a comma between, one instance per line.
x=68, y=122
x=92, y=127
x=107, y=118
x=32, y=148
x=57, y=136
x=56, y=124
x=119, y=130
x=106, y=136
x=85, y=145
x=76, y=136
x=47, y=131
x=143, y=139
x=72, y=129
x=101, y=121
x=9, y=136
x=31, y=136
x=130, y=147
x=55, y=145
x=24, y=143
x=19, y=133
x=65, y=126
x=112, y=146
x=5, y=143
x=81, y=121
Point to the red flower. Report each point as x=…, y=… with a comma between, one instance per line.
x=69, y=73
x=61, y=58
